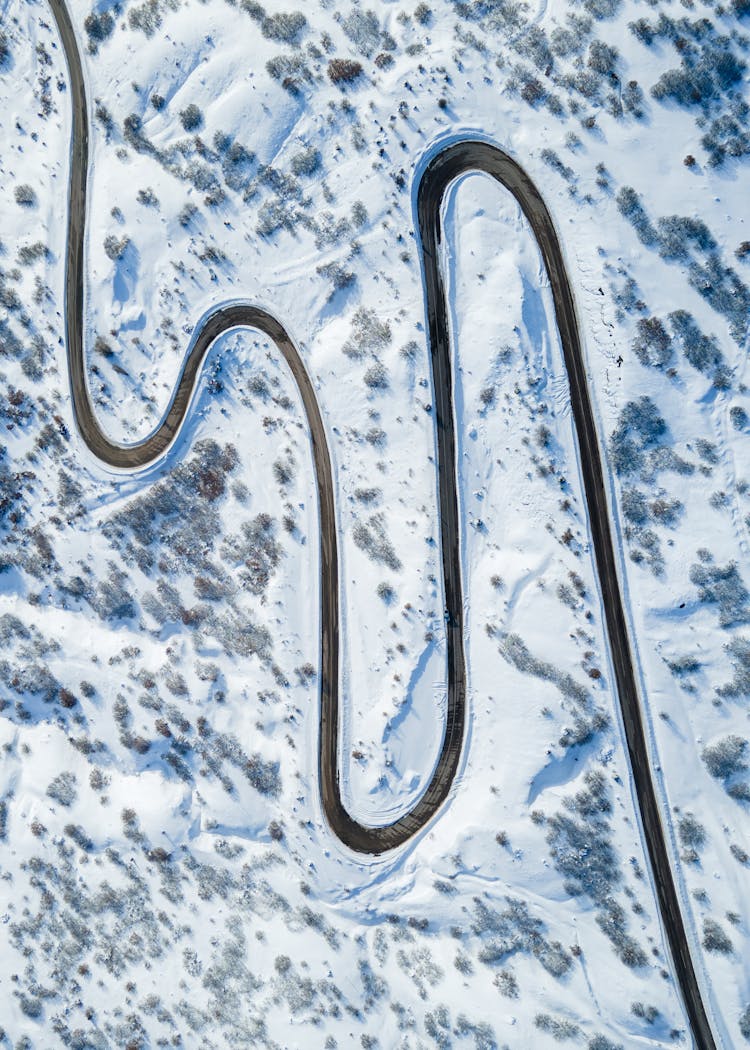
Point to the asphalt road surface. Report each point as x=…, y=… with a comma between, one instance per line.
x=442, y=171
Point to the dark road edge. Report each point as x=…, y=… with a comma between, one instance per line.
x=448, y=165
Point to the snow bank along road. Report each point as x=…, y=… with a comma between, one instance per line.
x=441, y=172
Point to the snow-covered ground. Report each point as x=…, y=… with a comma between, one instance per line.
x=167, y=875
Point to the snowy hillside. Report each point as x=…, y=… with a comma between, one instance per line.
x=167, y=874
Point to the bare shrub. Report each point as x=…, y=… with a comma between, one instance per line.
x=344, y=70
x=191, y=117
x=25, y=195
x=726, y=757
x=715, y=939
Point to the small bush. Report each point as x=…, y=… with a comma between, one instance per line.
x=584, y=855
x=533, y=91
x=337, y=275
x=368, y=496
x=739, y=652
x=702, y=81
x=724, y=291
x=187, y=214
x=740, y=792
x=691, y=831
x=255, y=552
x=307, y=162
x=79, y=836
x=635, y=506
x=738, y=417
x=372, y=539
x=652, y=345
x=533, y=44
x=254, y=9
x=639, y=427
x=648, y=1013
x=368, y=333
x=147, y=198
x=558, y=1028
x=147, y=17
x=564, y=42
x=99, y=27
x=739, y=854
x=683, y=666
x=701, y=351
x=678, y=234
x=25, y=195
x=32, y=1007
x=376, y=377
x=63, y=789
x=714, y=938
x=264, y=776
x=723, y=586
x=363, y=29
x=191, y=117
x=507, y=984
x=666, y=511
x=550, y=157
x=602, y=9
x=386, y=593
x=612, y=922
x=28, y=254
x=602, y=58
x=633, y=99
x=744, y=1021
x=273, y=215
x=285, y=28
x=114, y=248
x=344, y=70
x=629, y=205
x=726, y=757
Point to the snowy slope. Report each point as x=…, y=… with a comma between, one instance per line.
x=167, y=875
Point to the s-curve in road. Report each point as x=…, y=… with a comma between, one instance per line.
x=359, y=837
x=440, y=174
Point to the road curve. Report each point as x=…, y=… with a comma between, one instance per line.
x=444, y=169
x=441, y=172
x=360, y=837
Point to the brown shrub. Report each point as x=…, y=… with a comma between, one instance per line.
x=344, y=70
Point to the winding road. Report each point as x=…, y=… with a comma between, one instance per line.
x=448, y=165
